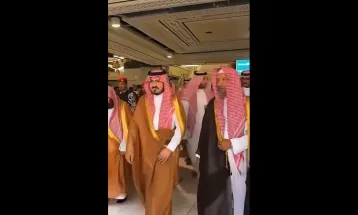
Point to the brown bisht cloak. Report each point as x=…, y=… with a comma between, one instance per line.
x=116, y=161
x=214, y=195
x=154, y=181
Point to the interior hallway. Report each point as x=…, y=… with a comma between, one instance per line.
x=184, y=197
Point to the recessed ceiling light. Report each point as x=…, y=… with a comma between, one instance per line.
x=116, y=22
x=169, y=55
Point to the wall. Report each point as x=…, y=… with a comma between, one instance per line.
x=134, y=76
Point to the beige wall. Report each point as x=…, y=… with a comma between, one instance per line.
x=134, y=76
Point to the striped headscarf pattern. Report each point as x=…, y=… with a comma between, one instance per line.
x=115, y=121
x=189, y=94
x=236, y=114
x=167, y=107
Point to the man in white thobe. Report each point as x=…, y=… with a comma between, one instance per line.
x=195, y=97
x=223, y=147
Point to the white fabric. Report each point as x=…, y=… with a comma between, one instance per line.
x=122, y=145
x=238, y=180
x=193, y=141
x=239, y=144
x=246, y=91
x=175, y=141
x=109, y=114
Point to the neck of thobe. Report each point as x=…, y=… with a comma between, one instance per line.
x=174, y=142
x=246, y=91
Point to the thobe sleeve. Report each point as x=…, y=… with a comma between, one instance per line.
x=186, y=110
x=240, y=144
x=174, y=142
x=123, y=146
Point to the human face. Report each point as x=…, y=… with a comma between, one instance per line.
x=245, y=79
x=204, y=82
x=122, y=86
x=156, y=86
x=221, y=82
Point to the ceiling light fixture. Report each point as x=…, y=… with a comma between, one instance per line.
x=169, y=55
x=189, y=65
x=116, y=22
x=116, y=56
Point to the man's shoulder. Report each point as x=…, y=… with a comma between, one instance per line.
x=141, y=101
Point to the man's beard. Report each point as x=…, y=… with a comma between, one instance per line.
x=221, y=92
x=110, y=105
x=202, y=86
x=156, y=91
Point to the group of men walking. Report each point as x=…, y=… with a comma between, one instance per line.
x=214, y=119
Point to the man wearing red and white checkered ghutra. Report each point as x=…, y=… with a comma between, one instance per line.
x=223, y=147
x=155, y=132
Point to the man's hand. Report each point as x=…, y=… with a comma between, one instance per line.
x=164, y=155
x=129, y=157
x=225, y=145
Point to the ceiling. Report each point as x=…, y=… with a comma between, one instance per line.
x=193, y=31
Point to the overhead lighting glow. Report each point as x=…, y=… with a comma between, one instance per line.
x=116, y=56
x=169, y=55
x=116, y=22
x=189, y=65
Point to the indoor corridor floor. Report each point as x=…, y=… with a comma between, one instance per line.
x=183, y=201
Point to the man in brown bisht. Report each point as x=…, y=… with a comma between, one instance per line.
x=155, y=132
x=119, y=116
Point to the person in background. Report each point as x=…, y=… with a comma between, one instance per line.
x=195, y=97
x=245, y=82
x=126, y=95
x=119, y=116
x=116, y=89
x=140, y=91
x=155, y=132
x=184, y=153
x=222, y=150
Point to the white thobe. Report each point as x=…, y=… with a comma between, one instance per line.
x=122, y=148
x=238, y=181
x=174, y=142
x=193, y=139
